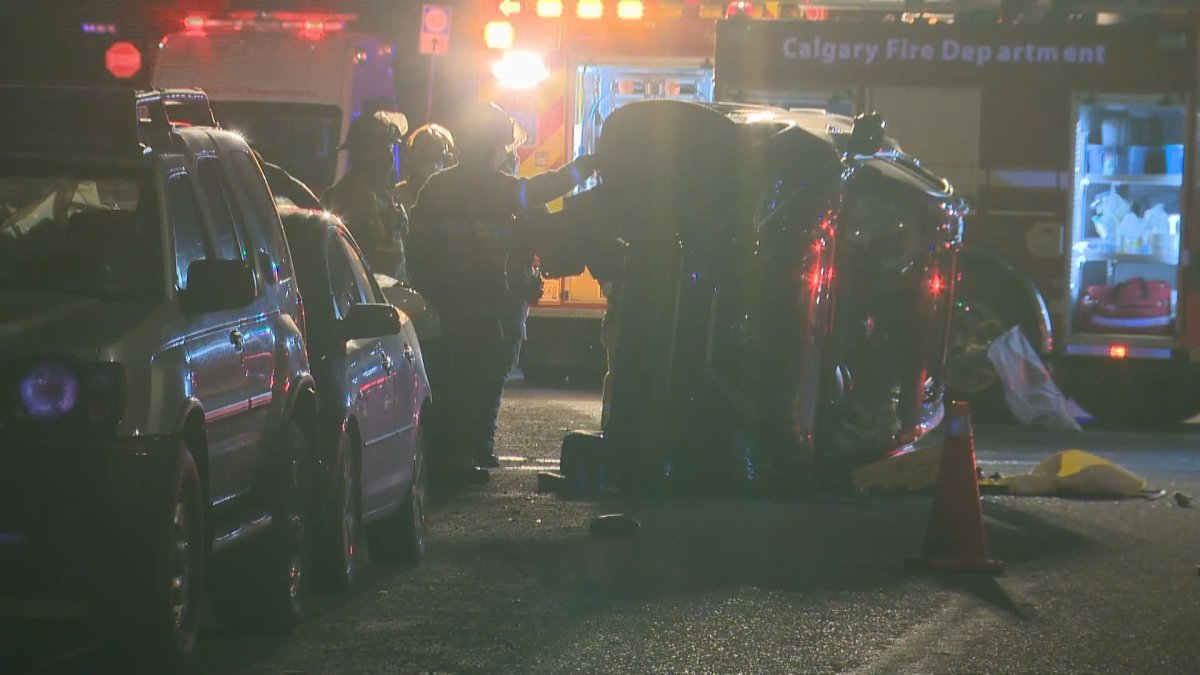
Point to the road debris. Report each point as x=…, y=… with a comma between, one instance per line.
x=1183, y=500
x=616, y=524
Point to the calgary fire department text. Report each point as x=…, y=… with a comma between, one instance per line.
x=901, y=49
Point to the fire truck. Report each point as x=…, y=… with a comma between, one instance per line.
x=1074, y=141
x=561, y=68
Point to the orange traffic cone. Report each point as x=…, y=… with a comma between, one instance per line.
x=955, y=540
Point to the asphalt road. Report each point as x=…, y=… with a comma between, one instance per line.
x=515, y=583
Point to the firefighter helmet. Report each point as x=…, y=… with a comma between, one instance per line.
x=485, y=127
x=431, y=143
x=380, y=128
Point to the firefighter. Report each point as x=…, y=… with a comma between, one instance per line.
x=366, y=197
x=430, y=149
x=463, y=225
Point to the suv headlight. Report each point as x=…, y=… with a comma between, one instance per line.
x=91, y=392
x=49, y=391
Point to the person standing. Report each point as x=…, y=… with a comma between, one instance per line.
x=366, y=199
x=463, y=224
x=430, y=149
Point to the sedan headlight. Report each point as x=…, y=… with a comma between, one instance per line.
x=49, y=391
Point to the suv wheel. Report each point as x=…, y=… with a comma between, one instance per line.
x=263, y=587
x=154, y=616
x=340, y=552
x=401, y=537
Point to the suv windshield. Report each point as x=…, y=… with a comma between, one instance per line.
x=88, y=233
x=301, y=138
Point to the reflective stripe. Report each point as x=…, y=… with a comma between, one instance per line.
x=223, y=412
x=521, y=196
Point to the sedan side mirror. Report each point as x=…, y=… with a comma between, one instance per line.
x=218, y=284
x=370, y=320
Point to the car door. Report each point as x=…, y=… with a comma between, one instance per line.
x=370, y=375
x=235, y=350
x=214, y=374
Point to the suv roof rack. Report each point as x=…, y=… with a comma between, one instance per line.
x=161, y=110
x=49, y=120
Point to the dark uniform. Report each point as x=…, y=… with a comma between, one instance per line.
x=463, y=226
x=366, y=198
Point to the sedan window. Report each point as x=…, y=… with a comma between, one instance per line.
x=348, y=280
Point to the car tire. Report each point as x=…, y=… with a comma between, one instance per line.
x=401, y=537
x=340, y=550
x=152, y=616
x=979, y=318
x=262, y=588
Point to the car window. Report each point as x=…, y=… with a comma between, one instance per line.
x=85, y=231
x=225, y=217
x=184, y=212
x=263, y=208
x=347, y=280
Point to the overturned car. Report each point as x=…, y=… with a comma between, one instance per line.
x=782, y=302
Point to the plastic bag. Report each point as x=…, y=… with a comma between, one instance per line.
x=1030, y=393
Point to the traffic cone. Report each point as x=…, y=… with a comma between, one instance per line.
x=955, y=540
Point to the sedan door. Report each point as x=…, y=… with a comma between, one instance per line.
x=370, y=371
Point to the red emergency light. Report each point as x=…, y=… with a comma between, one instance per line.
x=1118, y=351
x=936, y=284
x=307, y=24
x=741, y=8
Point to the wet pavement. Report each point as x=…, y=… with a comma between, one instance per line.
x=514, y=582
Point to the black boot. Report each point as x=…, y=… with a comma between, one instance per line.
x=488, y=461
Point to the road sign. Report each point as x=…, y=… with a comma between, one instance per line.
x=123, y=60
x=435, y=30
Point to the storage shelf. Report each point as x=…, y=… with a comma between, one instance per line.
x=1129, y=258
x=1165, y=180
x=1078, y=337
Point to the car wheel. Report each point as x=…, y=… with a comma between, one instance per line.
x=154, y=615
x=981, y=315
x=340, y=551
x=401, y=537
x=263, y=587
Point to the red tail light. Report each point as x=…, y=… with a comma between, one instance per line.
x=937, y=284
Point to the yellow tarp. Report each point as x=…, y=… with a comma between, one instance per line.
x=1076, y=473
x=914, y=470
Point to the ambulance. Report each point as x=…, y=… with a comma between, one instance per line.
x=560, y=69
x=289, y=82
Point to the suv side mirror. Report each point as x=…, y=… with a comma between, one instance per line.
x=218, y=284
x=370, y=320
x=406, y=298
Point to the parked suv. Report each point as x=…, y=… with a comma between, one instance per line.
x=155, y=394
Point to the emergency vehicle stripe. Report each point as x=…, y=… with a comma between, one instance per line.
x=550, y=151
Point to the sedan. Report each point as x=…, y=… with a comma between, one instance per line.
x=372, y=389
